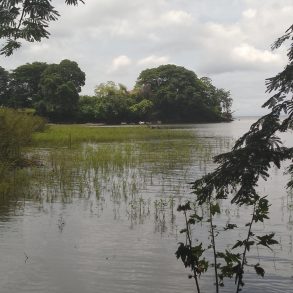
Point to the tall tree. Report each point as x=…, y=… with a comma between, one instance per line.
x=26, y=20
x=178, y=95
x=59, y=88
x=25, y=84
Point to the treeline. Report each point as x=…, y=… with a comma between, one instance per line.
x=168, y=93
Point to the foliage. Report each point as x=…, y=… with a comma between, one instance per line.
x=142, y=110
x=88, y=109
x=178, y=95
x=16, y=129
x=59, y=88
x=114, y=102
x=26, y=20
x=4, y=86
x=25, y=85
x=53, y=91
x=239, y=171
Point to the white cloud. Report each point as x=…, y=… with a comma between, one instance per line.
x=153, y=60
x=247, y=53
x=177, y=17
x=249, y=13
x=119, y=62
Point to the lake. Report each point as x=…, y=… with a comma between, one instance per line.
x=102, y=218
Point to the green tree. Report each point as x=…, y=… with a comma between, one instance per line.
x=218, y=101
x=114, y=102
x=178, y=95
x=236, y=179
x=88, y=109
x=25, y=85
x=4, y=87
x=59, y=88
x=26, y=20
x=142, y=111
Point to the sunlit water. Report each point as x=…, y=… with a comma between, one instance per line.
x=116, y=230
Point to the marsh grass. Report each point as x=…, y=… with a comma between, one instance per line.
x=74, y=135
x=130, y=167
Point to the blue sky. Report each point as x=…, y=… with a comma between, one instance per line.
x=227, y=40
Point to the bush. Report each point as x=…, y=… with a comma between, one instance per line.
x=16, y=129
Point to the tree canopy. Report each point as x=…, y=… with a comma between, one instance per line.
x=178, y=95
x=26, y=20
x=51, y=89
x=114, y=102
x=168, y=93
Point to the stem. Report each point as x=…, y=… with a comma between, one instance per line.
x=245, y=250
x=188, y=233
x=214, y=250
x=22, y=15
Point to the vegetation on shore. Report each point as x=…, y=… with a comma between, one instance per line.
x=168, y=93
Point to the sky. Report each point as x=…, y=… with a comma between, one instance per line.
x=226, y=40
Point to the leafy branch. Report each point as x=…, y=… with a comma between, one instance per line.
x=26, y=20
x=239, y=171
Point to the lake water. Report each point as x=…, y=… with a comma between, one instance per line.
x=79, y=228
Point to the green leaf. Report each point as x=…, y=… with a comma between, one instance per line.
x=259, y=270
x=238, y=244
x=267, y=240
x=215, y=209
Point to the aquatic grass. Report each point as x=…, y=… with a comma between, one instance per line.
x=73, y=135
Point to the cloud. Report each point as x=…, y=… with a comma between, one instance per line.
x=247, y=53
x=249, y=13
x=119, y=62
x=176, y=17
x=153, y=60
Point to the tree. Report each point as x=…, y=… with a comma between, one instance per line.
x=142, y=110
x=25, y=85
x=59, y=88
x=4, y=86
x=26, y=20
x=88, y=109
x=114, y=102
x=218, y=100
x=178, y=95
x=236, y=178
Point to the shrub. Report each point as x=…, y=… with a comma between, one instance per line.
x=16, y=130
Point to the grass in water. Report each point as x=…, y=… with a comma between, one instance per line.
x=73, y=135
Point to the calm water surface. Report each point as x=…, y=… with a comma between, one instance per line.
x=116, y=229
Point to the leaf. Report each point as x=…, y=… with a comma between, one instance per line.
x=215, y=209
x=196, y=217
x=184, y=207
x=267, y=240
x=183, y=231
x=259, y=270
x=230, y=227
x=248, y=244
x=238, y=244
